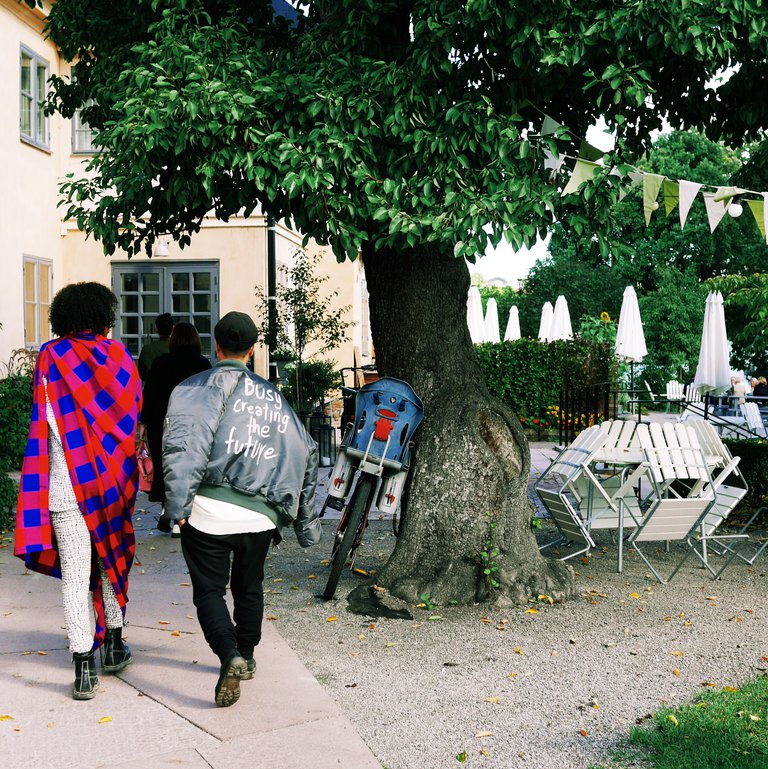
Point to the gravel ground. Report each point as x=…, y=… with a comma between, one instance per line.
x=555, y=689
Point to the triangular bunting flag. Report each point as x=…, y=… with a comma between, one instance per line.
x=688, y=191
x=549, y=126
x=765, y=215
x=551, y=162
x=725, y=194
x=715, y=209
x=758, y=211
x=582, y=171
x=636, y=177
x=651, y=185
x=588, y=152
x=671, y=192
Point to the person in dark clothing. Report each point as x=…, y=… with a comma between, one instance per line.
x=182, y=361
x=760, y=390
x=156, y=348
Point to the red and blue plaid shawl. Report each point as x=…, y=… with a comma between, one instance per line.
x=94, y=390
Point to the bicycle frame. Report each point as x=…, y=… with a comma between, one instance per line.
x=376, y=449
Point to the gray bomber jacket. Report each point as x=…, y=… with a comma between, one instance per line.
x=230, y=435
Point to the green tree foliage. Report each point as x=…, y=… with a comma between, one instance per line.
x=666, y=265
x=408, y=131
x=589, y=288
x=394, y=123
x=673, y=316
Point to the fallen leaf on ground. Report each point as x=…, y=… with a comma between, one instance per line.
x=105, y=719
x=331, y=619
x=513, y=675
x=546, y=598
x=461, y=757
x=634, y=595
x=176, y=633
x=518, y=650
x=42, y=654
x=583, y=732
x=163, y=622
x=311, y=576
x=272, y=618
x=485, y=619
x=531, y=611
x=493, y=700
x=391, y=643
x=6, y=718
x=484, y=734
x=730, y=689
x=676, y=672
x=677, y=653
x=185, y=584
x=673, y=720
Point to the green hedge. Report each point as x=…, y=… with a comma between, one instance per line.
x=754, y=466
x=528, y=375
x=15, y=413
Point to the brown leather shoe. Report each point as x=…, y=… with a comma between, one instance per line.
x=228, y=685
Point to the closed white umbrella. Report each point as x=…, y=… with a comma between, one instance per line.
x=630, y=339
x=713, y=374
x=475, y=320
x=545, y=324
x=561, y=321
x=492, y=322
x=513, y=325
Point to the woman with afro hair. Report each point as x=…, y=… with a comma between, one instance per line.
x=79, y=477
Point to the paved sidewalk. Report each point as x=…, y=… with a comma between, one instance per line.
x=158, y=712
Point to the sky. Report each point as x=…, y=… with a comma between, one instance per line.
x=512, y=266
x=507, y=264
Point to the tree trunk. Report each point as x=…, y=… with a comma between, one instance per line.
x=467, y=504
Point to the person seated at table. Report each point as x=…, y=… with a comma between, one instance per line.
x=760, y=390
x=739, y=388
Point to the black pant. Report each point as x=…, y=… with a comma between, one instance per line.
x=208, y=560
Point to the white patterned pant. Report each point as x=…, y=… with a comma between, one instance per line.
x=74, y=543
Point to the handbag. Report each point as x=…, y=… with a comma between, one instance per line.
x=146, y=468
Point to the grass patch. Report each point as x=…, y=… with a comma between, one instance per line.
x=723, y=729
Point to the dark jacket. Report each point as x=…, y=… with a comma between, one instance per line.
x=230, y=435
x=165, y=373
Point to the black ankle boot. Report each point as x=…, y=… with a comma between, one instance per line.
x=86, y=680
x=117, y=655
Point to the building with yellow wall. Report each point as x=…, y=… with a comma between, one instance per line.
x=40, y=252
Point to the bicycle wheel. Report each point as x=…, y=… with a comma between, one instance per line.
x=358, y=509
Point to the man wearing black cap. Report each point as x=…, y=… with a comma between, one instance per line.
x=238, y=467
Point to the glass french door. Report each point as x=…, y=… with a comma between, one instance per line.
x=189, y=291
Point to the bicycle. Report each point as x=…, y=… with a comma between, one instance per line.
x=375, y=451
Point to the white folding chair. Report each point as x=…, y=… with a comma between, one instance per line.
x=559, y=493
x=751, y=413
x=729, y=494
x=672, y=518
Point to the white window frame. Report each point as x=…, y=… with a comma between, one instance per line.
x=34, y=98
x=82, y=133
x=33, y=338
